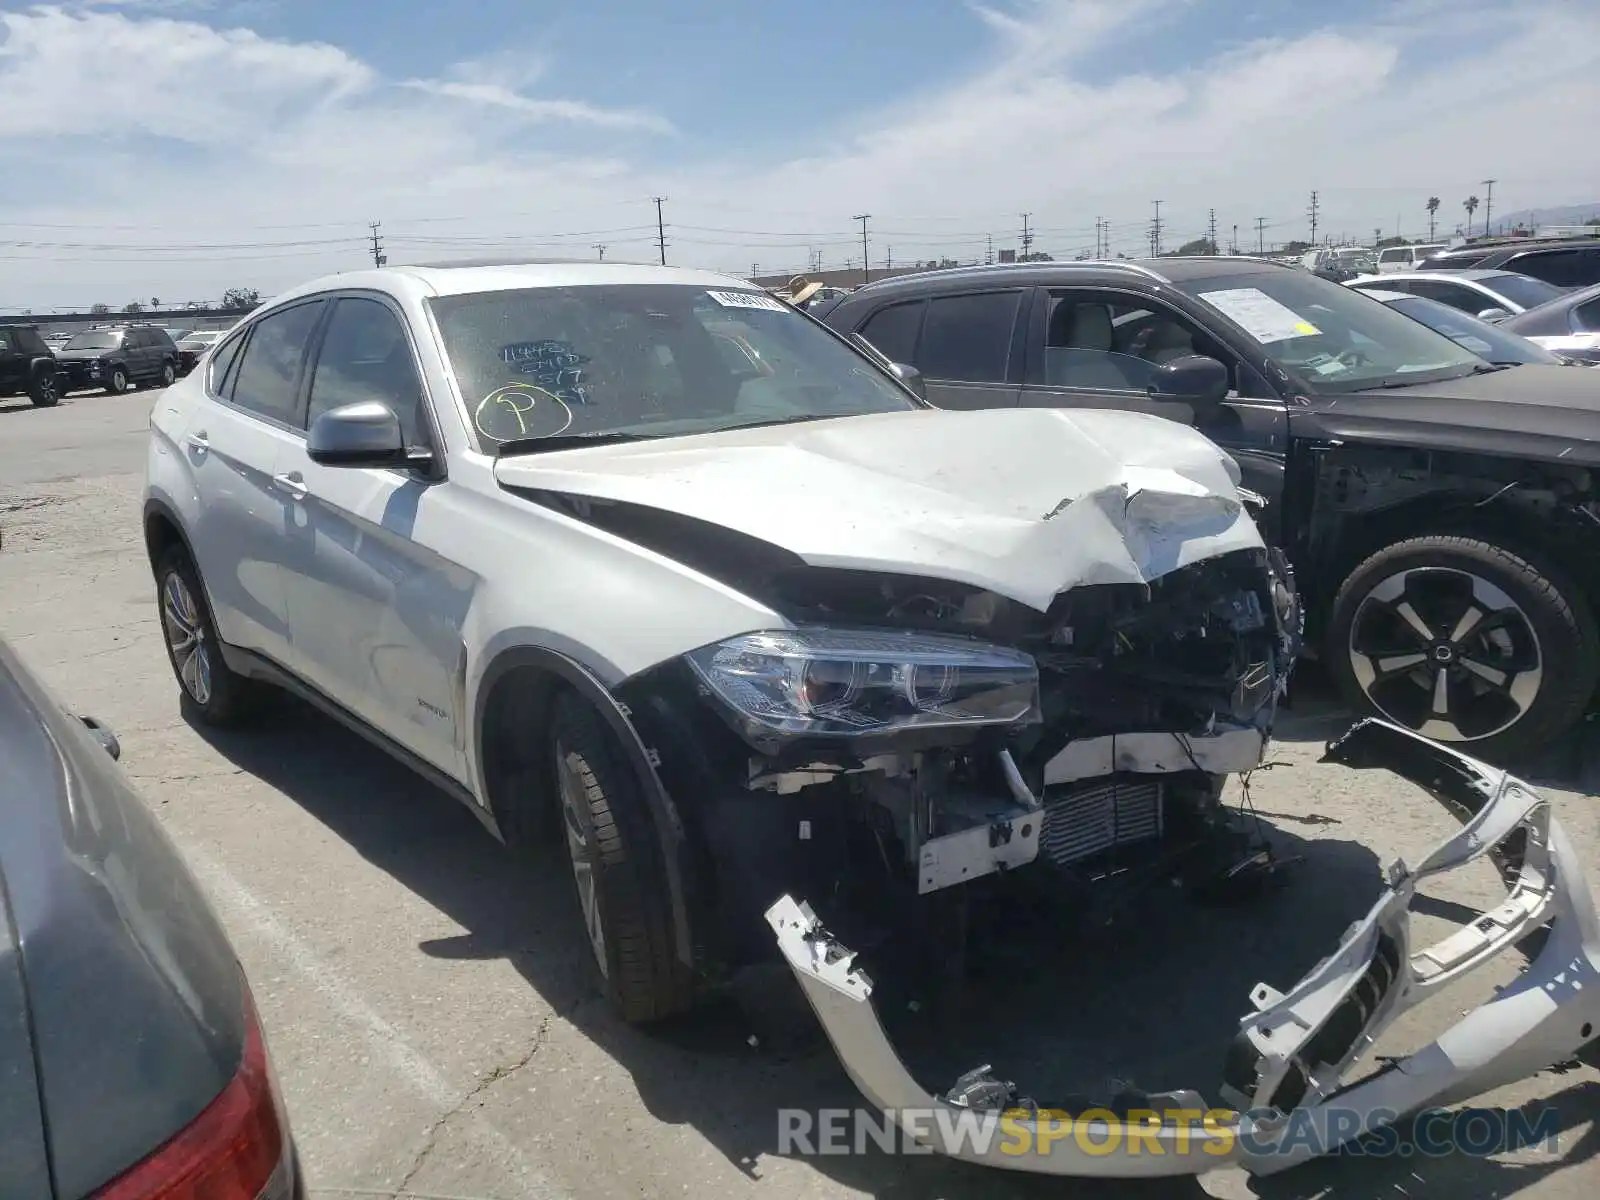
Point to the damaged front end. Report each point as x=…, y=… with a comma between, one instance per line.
x=919, y=756
x=1284, y=1092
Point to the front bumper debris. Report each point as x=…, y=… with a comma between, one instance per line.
x=1284, y=1070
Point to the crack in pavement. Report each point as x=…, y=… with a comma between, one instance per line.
x=473, y=1100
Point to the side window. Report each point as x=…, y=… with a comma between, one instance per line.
x=1586, y=317
x=268, y=379
x=894, y=330
x=221, y=362
x=6, y=346
x=1564, y=268
x=1104, y=343
x=967, y=339
x=1394, y=256
x=365, y=356
x=1453, y=294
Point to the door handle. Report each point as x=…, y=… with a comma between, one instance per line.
x=199, y=441
x=291, y=485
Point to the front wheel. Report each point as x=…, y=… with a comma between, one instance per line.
x=617, y=870
x=117, y=383
x=1465, y=642
x=45, y=390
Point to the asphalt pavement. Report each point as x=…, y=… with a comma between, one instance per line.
x=427, y=996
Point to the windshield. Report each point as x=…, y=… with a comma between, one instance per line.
x=1334, y=337
x=1483, y=339
x=1523, y=290
x=647, y=360
x=94, y=341
x=200, y=339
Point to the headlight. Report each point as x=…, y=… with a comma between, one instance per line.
x=854, y=682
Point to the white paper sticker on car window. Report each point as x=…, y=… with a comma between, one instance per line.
x=746, y=300
x=1262, y=317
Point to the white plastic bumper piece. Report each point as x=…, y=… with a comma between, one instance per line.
x=1286, y=1065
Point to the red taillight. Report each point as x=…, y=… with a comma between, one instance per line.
x=231, y=1151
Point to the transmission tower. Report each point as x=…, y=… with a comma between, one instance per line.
x=1313, y=213
x=1211, y=231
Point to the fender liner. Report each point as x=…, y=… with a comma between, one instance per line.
x=663, y=812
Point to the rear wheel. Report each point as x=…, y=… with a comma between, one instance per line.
x=617, y=871
x=1465, y=642
x=218, y=695
x=168, y=374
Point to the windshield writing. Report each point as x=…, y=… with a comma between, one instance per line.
x=1333, y=337
x=647, y=360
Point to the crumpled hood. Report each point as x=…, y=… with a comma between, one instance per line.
x=1023, y=502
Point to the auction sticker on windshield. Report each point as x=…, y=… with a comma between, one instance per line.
x=746, y=300
x=1262, y=317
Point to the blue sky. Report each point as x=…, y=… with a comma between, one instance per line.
x=250, y=141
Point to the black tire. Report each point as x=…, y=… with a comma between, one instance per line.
x=169, y=374
x=44, y=389
x=227, y=699
x=117, y=382
x=1546, y=604
x=639, y=967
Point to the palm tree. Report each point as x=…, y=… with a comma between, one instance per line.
x=1471, y=205
x=1433, y=207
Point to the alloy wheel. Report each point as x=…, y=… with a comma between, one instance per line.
x=186, y=638
x=1446, y=653
x=581, y=853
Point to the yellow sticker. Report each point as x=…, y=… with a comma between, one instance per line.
x=1305, y=327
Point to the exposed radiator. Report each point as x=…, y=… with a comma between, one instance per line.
x=1089, y=818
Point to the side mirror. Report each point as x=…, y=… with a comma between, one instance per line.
x=1194, y=377
x=1493, y=313
x=360, y=435
x=911, y=377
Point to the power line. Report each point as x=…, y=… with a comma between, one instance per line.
x=661, y=230
x=866, y=263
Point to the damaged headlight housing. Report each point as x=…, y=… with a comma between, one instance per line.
x=854, y=682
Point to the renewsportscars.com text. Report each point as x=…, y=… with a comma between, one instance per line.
x=1478, y=1132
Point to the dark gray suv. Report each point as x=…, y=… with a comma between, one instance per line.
x=119, y=358
x=1442, y=513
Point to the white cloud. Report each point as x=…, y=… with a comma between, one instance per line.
x=294, y=146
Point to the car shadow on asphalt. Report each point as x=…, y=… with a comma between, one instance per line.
x=1153, y=997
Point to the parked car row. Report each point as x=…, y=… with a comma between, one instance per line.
x=114, y=358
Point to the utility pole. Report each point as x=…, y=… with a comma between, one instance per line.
x=1313, y=212
x=888, y=260
x=1233, y=247
x=988, y=253
x=601, y=246
x=1155, y=231
x=1211, y=231
x=1261, y=234
x=866, y=265
x=378, y=256
x=1027, y=236
x=755, y=269
x=661, y=229
x=1488, y=204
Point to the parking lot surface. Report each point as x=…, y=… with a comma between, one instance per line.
x=427, y=995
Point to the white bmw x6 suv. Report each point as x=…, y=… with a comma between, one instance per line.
x=649, y=562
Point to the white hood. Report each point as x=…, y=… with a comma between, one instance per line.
x=1023, y=502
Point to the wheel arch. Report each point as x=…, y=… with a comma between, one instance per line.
x=514, y=697
x=1571, y=546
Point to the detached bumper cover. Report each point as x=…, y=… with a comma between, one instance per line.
x=1285, y=1068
